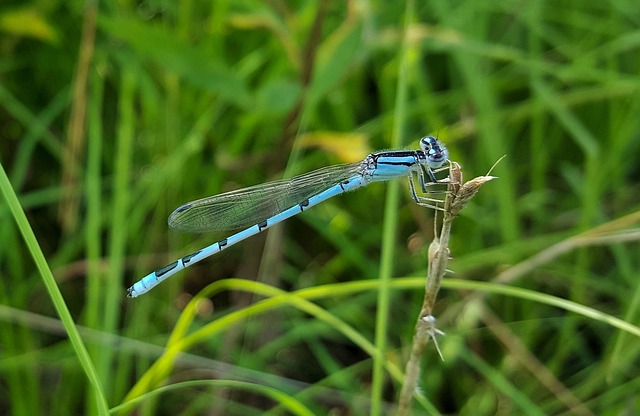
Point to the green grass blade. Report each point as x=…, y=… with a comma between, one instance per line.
x=53, y=290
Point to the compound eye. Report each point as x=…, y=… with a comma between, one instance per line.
x=426, y=143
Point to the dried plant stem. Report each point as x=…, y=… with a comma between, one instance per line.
x=438, y=267
x=457, y=197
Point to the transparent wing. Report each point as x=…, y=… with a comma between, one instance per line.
x=252, y=205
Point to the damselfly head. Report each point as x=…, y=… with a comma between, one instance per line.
x=435, y=152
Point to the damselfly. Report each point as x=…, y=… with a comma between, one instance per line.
x=261, y=206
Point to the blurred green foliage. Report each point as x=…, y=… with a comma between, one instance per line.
x=115, y=113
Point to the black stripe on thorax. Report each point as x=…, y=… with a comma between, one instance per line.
x=399, y=155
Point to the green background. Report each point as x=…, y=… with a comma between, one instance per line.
x=113, y=114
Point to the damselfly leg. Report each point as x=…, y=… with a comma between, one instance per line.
x=429, y=187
